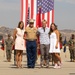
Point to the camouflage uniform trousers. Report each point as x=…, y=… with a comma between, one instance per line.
x=8, y=54
x=72, y=54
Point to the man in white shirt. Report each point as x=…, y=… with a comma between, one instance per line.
x=43, y=33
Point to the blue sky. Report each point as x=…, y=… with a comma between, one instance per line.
x=64, y=13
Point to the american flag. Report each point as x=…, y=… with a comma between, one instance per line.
x=28, y=16
x=47, y=11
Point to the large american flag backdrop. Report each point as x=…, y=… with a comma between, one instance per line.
x=37, y=10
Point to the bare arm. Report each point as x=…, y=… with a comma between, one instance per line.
x=14, y=34
x=57, y=35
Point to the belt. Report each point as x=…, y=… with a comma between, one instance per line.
x=31, y=39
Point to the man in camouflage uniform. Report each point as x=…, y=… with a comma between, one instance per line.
x=9, y=44
x=72, y=48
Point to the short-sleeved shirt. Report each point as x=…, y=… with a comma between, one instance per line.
x=44, y=36
x=31, y=33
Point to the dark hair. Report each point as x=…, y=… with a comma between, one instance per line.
x=72, y=36
x=9, y=35
x=19, y=24
x=51, y=27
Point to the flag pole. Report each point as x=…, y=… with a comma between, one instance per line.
x=21, y=10
x=53, y=13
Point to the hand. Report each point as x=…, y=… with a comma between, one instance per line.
x=13, y=43
x=25, y=32
x=56, y=46
x=38, y=33
x=24, y=38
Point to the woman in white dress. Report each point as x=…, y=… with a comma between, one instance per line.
x=54, y=45
x=19, y=43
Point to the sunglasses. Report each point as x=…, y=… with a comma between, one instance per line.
x=31, y=23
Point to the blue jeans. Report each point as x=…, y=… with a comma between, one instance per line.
x=31, y=48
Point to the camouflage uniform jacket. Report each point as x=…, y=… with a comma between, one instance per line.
x=8, y=43
x=71, y=44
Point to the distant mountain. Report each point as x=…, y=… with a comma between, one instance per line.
x=4, y=31
x=65, y=32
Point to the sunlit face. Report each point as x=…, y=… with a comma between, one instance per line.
x=44, y=24
x=21, y=25
x=53, y=27
x=31, y=24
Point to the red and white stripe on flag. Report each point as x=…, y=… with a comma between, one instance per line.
x=49, y=16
